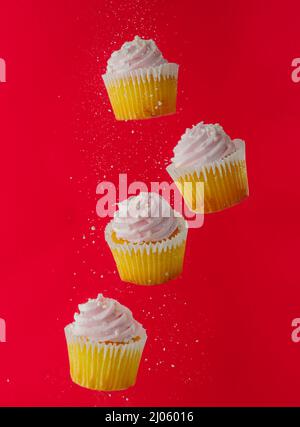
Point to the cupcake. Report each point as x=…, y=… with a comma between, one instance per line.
x=105, y=345
x=206, y=154
x=140, y=83
x=147, y=239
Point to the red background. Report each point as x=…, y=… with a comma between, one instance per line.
x=220, y=334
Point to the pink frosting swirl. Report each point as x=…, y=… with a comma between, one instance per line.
x=104, y=319
x=138, y=53
x=144, y=218
x=201, y=145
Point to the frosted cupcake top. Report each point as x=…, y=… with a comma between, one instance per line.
x=138, y=53
x=201, y=145
x=105, y=319
x=144, y=218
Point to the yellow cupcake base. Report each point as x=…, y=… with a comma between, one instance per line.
x=149, y=269
x=143, y=94
x=149, y=263
x=103, y=366
x=225, y=184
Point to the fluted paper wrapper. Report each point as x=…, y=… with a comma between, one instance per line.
x=225, y=182
x=143, y=93
x=149, y=263
x=103, y=366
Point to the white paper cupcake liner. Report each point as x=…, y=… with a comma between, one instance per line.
x=239, y=155
x=149, y=263
x=148, y=247
x=142, y=74
x=103, y=366
x=225, y=182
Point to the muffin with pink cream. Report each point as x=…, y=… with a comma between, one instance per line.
x=206, y=158
x=105, y=345
x=147, y=239
x=140, y=83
